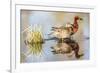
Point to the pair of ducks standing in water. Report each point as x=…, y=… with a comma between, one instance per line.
x=65, y=43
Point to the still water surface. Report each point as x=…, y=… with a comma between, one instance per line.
x=44, y=52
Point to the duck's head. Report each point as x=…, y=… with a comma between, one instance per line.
x=78, y=18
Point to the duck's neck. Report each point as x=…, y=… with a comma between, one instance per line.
x=75, y=24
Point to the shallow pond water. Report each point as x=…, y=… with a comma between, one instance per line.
x=43, y=52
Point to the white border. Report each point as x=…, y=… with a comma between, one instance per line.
x=15, y=57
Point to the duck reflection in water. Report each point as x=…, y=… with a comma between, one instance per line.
x=66, y=46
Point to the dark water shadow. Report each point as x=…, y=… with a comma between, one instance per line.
x=65, y=46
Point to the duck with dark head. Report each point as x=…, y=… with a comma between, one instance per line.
x=68, y=30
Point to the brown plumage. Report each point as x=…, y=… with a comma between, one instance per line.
x=68, y=30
